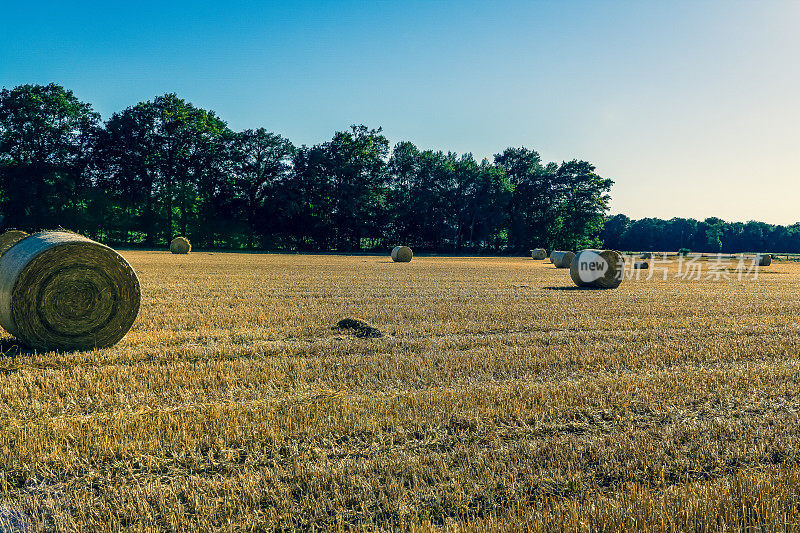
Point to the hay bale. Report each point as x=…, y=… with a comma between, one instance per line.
x=10, y=238
x=539, y=254
x=62, y=291
x=641, y=265
x=180, y=245
x=646, y=255
x=402, y=254
x=561, y=259
x=764, y=260
x=601, y=269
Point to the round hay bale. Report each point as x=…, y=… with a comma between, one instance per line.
x=600, y=269
x=642, y=265
x=62, y=291
x=180, y=245
x=646, y=255
x=402, y=254
x=10, y=238
x=561, y=259
x=764, y=260
x=539, y=253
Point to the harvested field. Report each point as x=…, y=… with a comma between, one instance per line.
x=233, y=405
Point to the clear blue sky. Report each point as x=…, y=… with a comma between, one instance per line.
x=691, y=107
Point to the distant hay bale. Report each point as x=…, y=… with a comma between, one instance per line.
x=10, y=238
x=600, y=269
x=646, y=255
x=180, y=245
x=561, y=259
x=402, y=254
x=764, y=260
x=62, y=291
x=641, y=265
x=539, y=254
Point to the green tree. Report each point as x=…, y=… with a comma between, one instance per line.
x=614, y=232
x=479, y=194
x=174, y=154
x=47, y=138
x=357, y=167
x=582, y=198
x=531, y=210
x=304, y=202
x=261, y=161
x=126, y=156
x=710, y=234
x=490, y=196
x=403, y=184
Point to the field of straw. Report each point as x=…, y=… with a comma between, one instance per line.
x=498, y=397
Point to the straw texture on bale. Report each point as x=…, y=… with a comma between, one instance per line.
x=62, y=291
x=611, y=277
x=764, y=260
x=10, y=238
x=641, y=265
x=561, y=259
x=402, y=254
x=180, y=245
x=539, y=253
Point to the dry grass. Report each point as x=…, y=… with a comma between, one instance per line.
x=233, y=405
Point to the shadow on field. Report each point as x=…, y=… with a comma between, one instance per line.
x=572, y=288
x=359, y=328
x=10, y=347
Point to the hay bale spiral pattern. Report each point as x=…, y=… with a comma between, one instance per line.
x=402, y=254
x=607, y=269
x=62, y=291
x=180, y=245
x=561, y=259
x=10, y=238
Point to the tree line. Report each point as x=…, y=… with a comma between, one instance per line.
x=712, y=235
x=164, y=167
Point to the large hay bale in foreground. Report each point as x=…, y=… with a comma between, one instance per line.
x=180, y=245
x=402, y=254
x=539, y=253
x=10, y=238
x=600, y=269
x=62, y=291
x=764, y=260
x=561, y=259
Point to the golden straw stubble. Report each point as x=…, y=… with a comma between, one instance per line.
x=62, y=291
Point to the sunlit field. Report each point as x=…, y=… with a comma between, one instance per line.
x=498, y=397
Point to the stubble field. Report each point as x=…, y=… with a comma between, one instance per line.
x=498, y=397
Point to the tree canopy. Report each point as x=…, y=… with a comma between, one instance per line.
x=165, y=167
x=711, y=235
